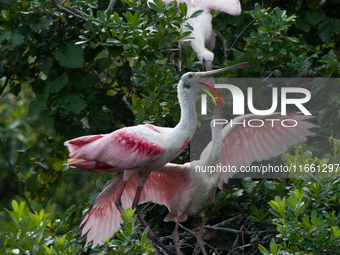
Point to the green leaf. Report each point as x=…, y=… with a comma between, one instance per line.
x=263, y=250
x=248, y=185
x=101, y=16
x=314, y=17
x=72, y=102
x=302, y=24
x=5, y=35
x=100, y=120
x=196, y=14
x=57, y=84
x=72, y=58
x=336, y=26
x=40, y=24
x=326, y=35
x=17, y=38
x=293, y=39
x=5, y=14
x=183, y=8
x=37, y=105
x=87, y=83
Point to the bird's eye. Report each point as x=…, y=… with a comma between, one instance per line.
x=190, y=75
x=204, y=60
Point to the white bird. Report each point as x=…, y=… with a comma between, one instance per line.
x=204, y=34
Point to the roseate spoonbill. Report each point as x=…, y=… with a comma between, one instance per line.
x=172, y=186
x=173, y=177
x=142, y=148
x=203, y=32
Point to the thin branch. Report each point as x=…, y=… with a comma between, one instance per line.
x=235, y=231
x=227, y=222
x=188, y=230
x=231, y=47
x=239, y=248
x=171, y=237
x=69, y=11
x=110, y=6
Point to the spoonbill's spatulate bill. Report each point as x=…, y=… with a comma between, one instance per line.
x=144, y=148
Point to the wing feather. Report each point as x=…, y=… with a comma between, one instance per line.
x=103, y=218
x=243, y=145
x=125, y=148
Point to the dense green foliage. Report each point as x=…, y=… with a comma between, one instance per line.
x=63, y=76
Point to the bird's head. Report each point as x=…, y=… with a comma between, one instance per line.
x=207, y=60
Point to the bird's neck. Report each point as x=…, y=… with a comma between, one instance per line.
x=186, y=127
x=188, y=121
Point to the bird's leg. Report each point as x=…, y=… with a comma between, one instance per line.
x=200, y=237
x=118, y=200
x=151, y=234
x=176, y=237
x=139, y=216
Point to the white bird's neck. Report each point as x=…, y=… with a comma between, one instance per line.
x=188, y=121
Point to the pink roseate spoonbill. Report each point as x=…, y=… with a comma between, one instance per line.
x=170, y=185
x=144, y=148
x=204, y=34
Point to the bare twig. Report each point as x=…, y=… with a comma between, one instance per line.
x=170, y=237
x=191, y=232
x=228, y=221
x=70, y=11
x=231, y=47
x=235, y=231
x=239, y=248
x=110, y=6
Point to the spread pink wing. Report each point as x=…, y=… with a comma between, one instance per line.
x=232, y=7
x=125, y=148
x=243, y=145
x=103, y=218
x=163, y=184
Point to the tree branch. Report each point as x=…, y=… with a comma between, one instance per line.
x=235, y=231
x=110, y=6
x=188, y=230
x=227, y=222
x=71, y=11
x=231, y=47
